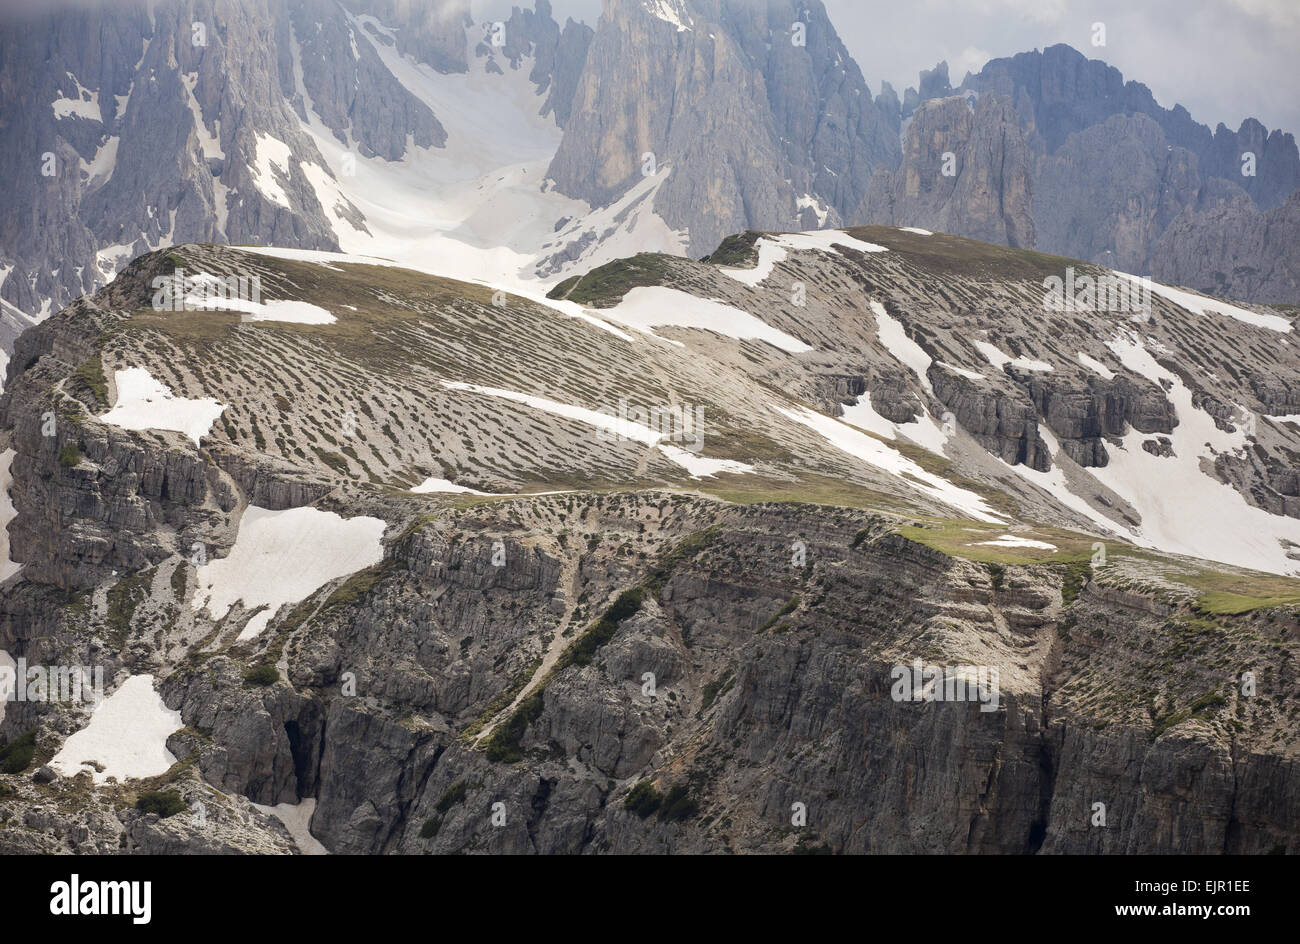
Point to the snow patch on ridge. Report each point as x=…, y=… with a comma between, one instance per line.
x=146, y=403
x=283, y=557
x=1011, y=540
x=880, y=456
x=620, y=428
x=435, y=484
x=774, y=249
x=294, y=312
x=1203, y=305
x=647, y=307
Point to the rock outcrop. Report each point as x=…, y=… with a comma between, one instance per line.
x=1093, y=168
x=751, y=118
x=964, y=170
x=1255, y=253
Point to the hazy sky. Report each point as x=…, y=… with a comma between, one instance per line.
x=1222, y=59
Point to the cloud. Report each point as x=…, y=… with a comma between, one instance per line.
x=1283, y=13
x=969, y=59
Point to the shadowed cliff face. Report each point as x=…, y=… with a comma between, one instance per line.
x=1103, y=173
x=750, y=116
x=966, y=170
x=643, y=660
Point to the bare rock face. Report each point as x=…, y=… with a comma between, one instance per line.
x=1007, y=426
x=208, y=101
x=1108, y=193
x=647, y=669
x=1270, y=156
x=964, y=170
x=1109, y=173
x=430, y=32
x=353, y=92
x=558, y=55
x=183, y=122
x=1252, y=253
x=747, y=122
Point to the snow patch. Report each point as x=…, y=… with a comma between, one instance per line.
x=297, y=819
x=294, y=312
x=1096, y=366
x=998, y=359
x=270, y=155
x=85, y=105
x=774, y=249
x=1203, y=305
x=894, y=337
x=925, y=432
x=1053, y=482
x=701, y=466
x=283, y=557
x=434, y=484
x=100, y=167
x=1184, y=508
x=620, y=427
x=146, y=403
x=1011, y=540
x=874, y=453
x=670, y=11
x=809, y=202
x=961, y=371
x=917, y=230
x=647, y=307
x=126, y=736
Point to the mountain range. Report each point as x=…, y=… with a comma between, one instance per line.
x=321, y=125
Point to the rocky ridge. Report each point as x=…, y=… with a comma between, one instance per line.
x=658, y=662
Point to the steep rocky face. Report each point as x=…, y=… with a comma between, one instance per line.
x=1063, y=92
x=149, y=125
x=751, y=715
x=558, y=54
x=353, y=92
x=1109, y=192
x=757, y=126
x=237, y=123
x=167, y=83
x=964, y=170
x=1103, y=172
x=1255, y=252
